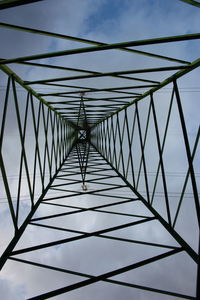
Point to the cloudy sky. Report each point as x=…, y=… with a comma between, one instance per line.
x=107, y=21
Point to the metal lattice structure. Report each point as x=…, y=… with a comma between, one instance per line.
x=74, y=143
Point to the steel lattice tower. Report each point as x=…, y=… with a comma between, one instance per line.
x=83, y=157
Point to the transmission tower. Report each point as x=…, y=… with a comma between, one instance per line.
x=93, y=172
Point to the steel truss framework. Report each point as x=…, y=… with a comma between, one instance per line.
x=101, y=144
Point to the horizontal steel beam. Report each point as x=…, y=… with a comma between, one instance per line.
x=104, y=276
x=100, y=90
x=82, y=71
x=195, y=64
x=104, y=47
x=81, y=40
x=12, y=3
x=192, y=2
x=138, y=71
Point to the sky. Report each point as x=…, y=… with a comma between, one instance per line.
x=108, y=21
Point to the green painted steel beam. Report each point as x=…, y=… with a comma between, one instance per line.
x=153, y=41
x=86, y=99
x=9, y=72
x=138, y=71
x=22, y=228
x=54, y=67
x=99, y=90
x=68, y=86
x=104, y=276
x=185, y=246
x=195, y=64
x=84, y=71
x=106, y=280
x=86, y=90
x=81, y=40
x=12, y=3
x=192, y=2
x=79, y=70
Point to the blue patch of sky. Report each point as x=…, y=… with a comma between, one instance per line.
x=112, y=10
x=109, y=10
